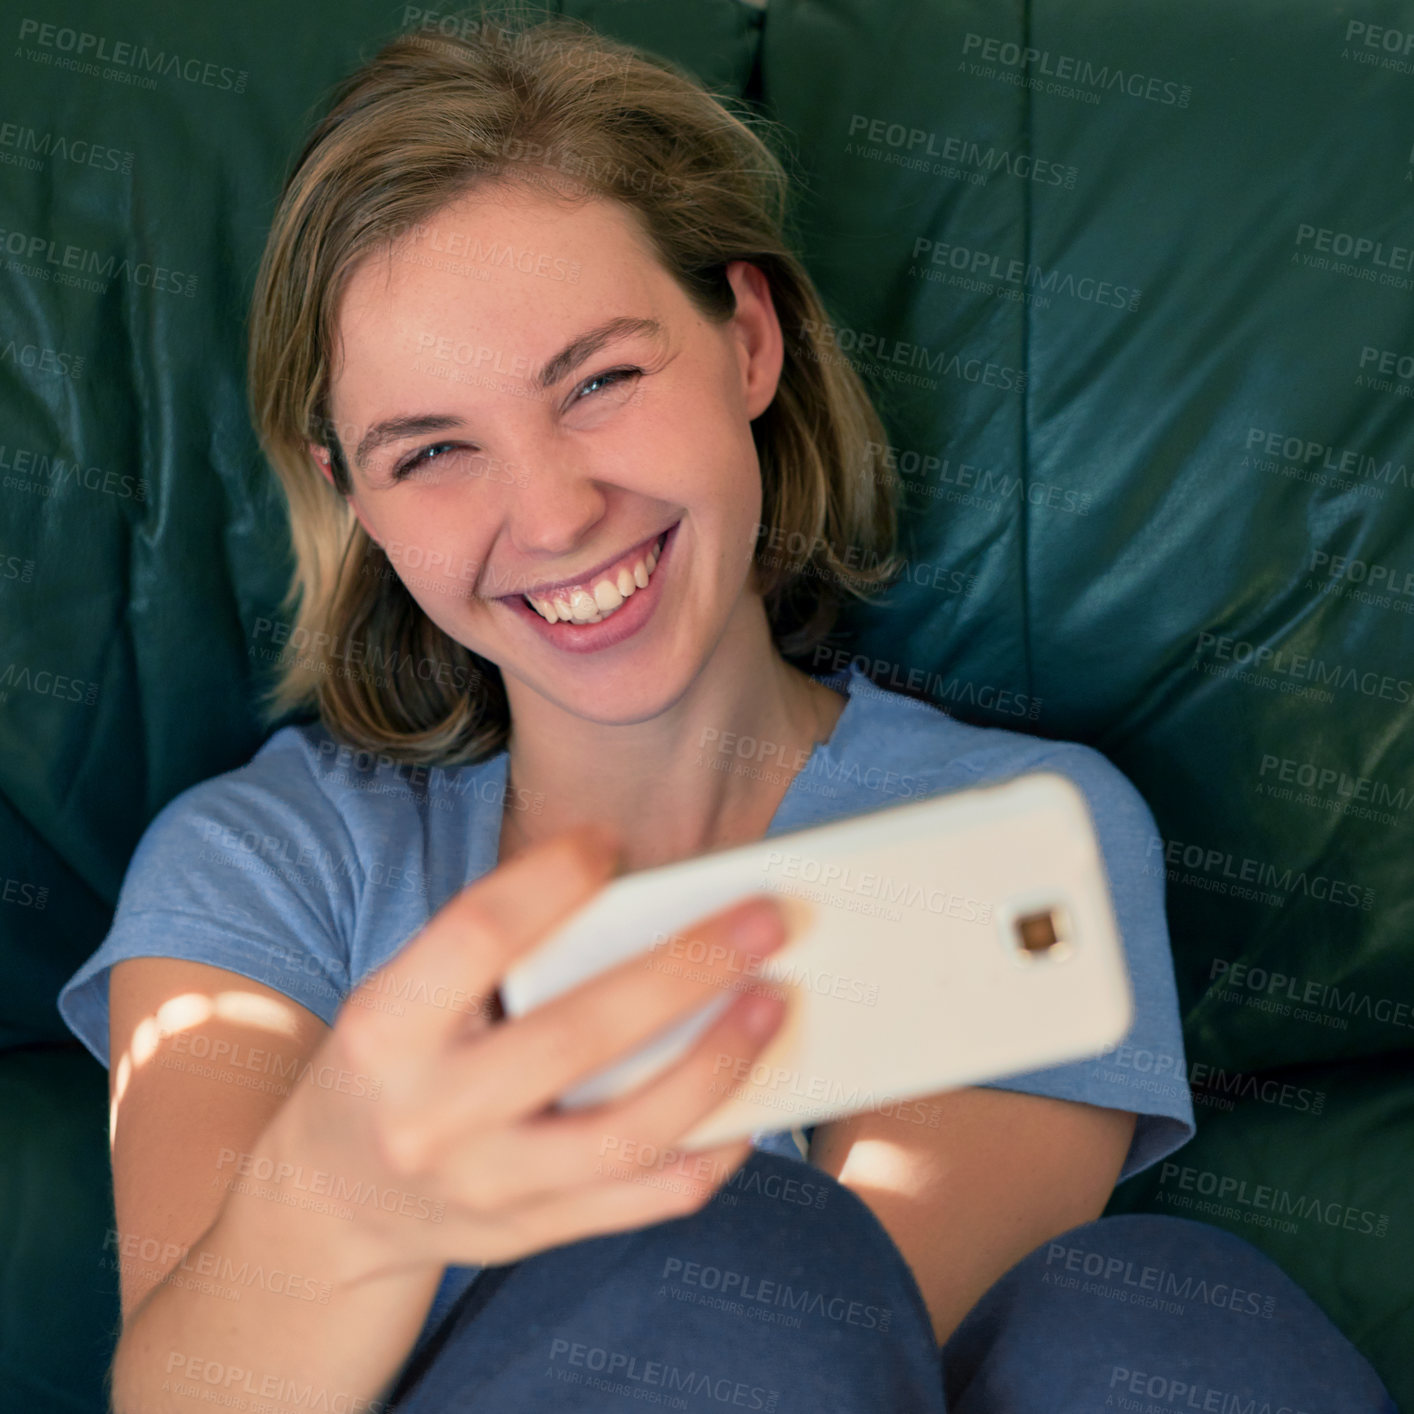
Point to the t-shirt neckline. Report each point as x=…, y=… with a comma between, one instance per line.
x=842, y=680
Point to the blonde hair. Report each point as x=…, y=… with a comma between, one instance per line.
x=420, y=124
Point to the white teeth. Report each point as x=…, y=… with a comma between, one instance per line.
x=585, y=607
x=582, y=604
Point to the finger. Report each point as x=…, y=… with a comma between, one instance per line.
x=610, y=1204
x=497, y=1168
x=455, y=963
x=517, y=1068
x=694, y=1086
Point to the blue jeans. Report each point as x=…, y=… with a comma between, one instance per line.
x=785, y=1293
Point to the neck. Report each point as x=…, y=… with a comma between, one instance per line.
x=676, y=785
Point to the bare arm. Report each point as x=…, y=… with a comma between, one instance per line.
x=223, y=1290
x=240, y=1285
x=1000, y=1174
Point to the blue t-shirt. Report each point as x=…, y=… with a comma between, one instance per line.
x=314, y=864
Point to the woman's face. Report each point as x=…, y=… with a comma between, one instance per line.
x=529, y=478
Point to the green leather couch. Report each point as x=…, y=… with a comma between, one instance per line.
x=1135, y=288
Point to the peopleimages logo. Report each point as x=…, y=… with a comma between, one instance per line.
x=85, y=52
x=880, y=349
x=918, y=143
x=1021, y=273
x=217, y=1266
x=627, y=1373
x=1165, y=1073
x=40, y=256
x=23, y=146
x=1271, y=988
x=1387, y=370
x=1071, y=69
x=749, y=1287
x=1304, y=667
x=1166, y=1392
x=1323, y=456
x=1364, y=248
x=1161, y=1281
x=214, y=1382
x=1330, y=782
x=42, y=360
x=293, y=1178
x=1269, y=1199
x=1263, y=874
x=1379, y=45
x=938, y=692
x=1322, y=248
x=1398, y=579
x=869, y=884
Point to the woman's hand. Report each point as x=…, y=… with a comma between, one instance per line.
x=470, y=1163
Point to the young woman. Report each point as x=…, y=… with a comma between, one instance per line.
x=575, y=490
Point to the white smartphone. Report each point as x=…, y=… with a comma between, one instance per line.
x=930, y=944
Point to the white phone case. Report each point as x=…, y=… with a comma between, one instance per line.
x=931, y=944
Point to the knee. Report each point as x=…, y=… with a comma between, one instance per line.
x=785, y=1282
x=1151, y=1307
x=779, y=1227
x=788, y=1262
x=1151, y=1258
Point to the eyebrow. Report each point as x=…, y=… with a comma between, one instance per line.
x=393, y=429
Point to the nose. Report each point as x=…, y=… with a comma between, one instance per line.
x=551, y=509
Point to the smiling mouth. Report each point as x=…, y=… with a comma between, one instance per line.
x=601, y=597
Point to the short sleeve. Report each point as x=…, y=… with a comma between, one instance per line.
x=253, y=871
x=1147, y=1072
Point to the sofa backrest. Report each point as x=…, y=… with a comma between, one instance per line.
x=1138, y=323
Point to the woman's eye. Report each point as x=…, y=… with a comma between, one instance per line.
x=419, y=459
x=609, y=379
x=424, y=457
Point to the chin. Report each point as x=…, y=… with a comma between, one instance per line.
x=623, y=702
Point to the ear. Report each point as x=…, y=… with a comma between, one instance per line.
x=758, y=332
x=320, y=456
